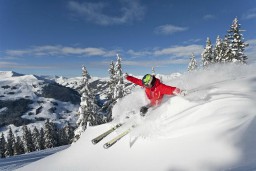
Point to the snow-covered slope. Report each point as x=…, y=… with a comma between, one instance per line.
x=212, y=128
x=29, y=99
x=14, y=162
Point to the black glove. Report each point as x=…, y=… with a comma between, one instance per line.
x=143, y=110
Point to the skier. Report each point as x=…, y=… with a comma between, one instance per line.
x=154, y=89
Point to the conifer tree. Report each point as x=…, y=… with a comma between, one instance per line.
x=119, y=87
x=116, y=87
x=192, y=64
x=19, y=147
x=63, y=140
x=49, y=137
x=219, y=50
x=27, y=140
x=10, y=143
x=41, y=139
x=112, y=81
x=69, y=133
x=236, y=43
x=2, y=146
x=88, y=108
x=207, y=55
x=36, y=139
x=108, y=104
x=227, y=57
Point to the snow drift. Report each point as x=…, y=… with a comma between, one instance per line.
x=212, y=128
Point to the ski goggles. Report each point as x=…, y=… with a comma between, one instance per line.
x=147, y=80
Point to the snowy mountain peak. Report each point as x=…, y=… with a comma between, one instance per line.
x=30, y=99
x=7, y=74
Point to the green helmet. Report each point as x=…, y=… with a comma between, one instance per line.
x=147, y=80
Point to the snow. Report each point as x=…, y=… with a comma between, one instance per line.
x=7, y=74
x=212, y=128
x=14, y=86
x=75, y=82
x=3, y=109
x=15, y=162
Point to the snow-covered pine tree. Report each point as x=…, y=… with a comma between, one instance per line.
x=62, y=137
x=108, y=104
x=236, y=43
x=10, y=143
x=219, y=50
x=192, y=64
x=88, y=108
x=27, y=140
x=19, y=147
x=227, y=57
x=36, y=139
x=119, y=87
x=41, y=139
x=207, y=54
x=69, y=133
x=116, y=87
x=66, y=134
x=49, y=136
x=2, y=146
x=112, y=81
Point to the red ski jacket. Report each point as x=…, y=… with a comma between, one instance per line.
x=156, y=93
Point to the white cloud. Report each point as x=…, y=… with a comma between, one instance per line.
x=129, y=11
x=250, y=14
x=180, y=51
x=139, y=53
x=57, y=50
x=16, y=52
x=155, y=56
x=159, y=62
x=5, y=64
x=12, y=65
x=174, y=51
x=209, y=17
x=192, y=41
x=169, y=29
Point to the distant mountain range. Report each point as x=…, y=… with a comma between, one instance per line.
x=31, y=99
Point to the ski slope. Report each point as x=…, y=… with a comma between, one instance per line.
x=14, y=162
x=212, y=128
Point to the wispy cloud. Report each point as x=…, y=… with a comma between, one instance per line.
x=145, y=62
x=12, y=65
x=98, y=12
x=159, y=62
x=250, y=14
x=209, y=17
x=180, y=51
x=157, y=56
x=139, y=53
x=169, y=29
x=174, y=51
x=58, y=50
x=192, y=41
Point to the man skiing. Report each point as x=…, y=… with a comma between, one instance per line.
x=154, y=89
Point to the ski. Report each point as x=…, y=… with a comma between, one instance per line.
x=117, y=138
x=103, y=135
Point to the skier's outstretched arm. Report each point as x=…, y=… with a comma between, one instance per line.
x=134, y=80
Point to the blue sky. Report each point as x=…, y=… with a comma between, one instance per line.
x=57, y=37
